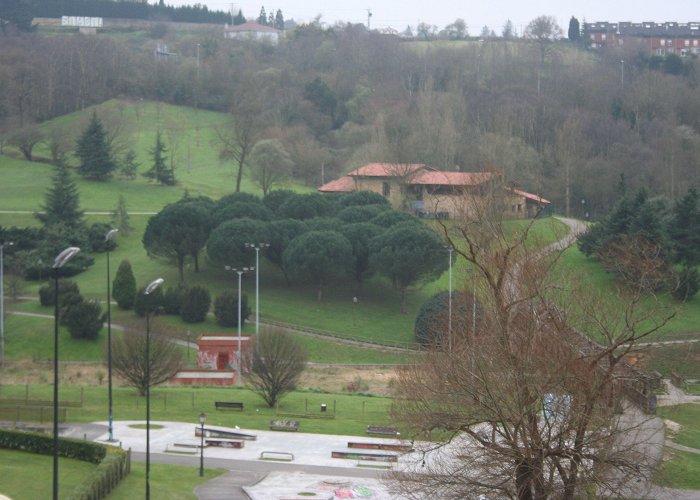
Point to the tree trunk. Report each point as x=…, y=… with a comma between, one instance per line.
x=181, y=267
x=239, y=176
x=319, y=296
x=403, y=300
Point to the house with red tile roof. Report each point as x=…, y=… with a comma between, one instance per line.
x=434, y=193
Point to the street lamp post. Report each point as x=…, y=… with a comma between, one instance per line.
x=257, y=247
x=2, y=303
x=149, y=289
x=449, y=307
x=109, y=237
x=61, y=259
x=202, y=419
x=240, y=272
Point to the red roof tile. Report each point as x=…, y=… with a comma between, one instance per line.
x=436, y=178
x=343, y=185
x=386, y=169
x=529, y=196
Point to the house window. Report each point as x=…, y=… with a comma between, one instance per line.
x=659, y=52
x=603, y=36
x=662, y=43
x=695, y=43
x=687, y=43
x=386, y=189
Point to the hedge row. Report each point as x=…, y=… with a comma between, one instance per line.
x=113, y=463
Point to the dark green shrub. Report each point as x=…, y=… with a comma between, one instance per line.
x=688, y=284
x=274, y=199
x=173, y=298
x=84, y=319
x=354, y=214
x=195, y=305
x=363, y=198
x=432, y=320
x=226, y=309
x=152, y=302
x=96, y=238
x=68, y=293
x=124, y=286
x=86, y=451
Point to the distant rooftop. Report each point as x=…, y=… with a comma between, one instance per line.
x=646, y=28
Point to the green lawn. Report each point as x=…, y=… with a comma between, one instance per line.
x=680, y=470
x=680, y=358
x=687, y=416
x=29, y=476
x=184, y=404
x=171, y=482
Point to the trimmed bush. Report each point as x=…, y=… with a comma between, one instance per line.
x=124, y=286
x=226, y=309
x=84, y=319
x=151, y=303
x=96, y=237
x=172, y=299
x=68, y=293
x=195, y=305
x=86, y=451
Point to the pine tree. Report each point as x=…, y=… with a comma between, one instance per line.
x=239, y=18
x=94, y=152
x=124, y=286
x=62, y=202
x=279, y=20
x=129, y=166
x=574, y=30
x=160, y=171
x=120, y=217
x=262, y=18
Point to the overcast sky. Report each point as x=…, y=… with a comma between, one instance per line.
x=400, y=13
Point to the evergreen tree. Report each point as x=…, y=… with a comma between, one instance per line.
x=508, y=31
x=279, y=20
x=271, y=19
x=129, y=166
x=239, y=18
x=574, y=30
x=684, y=229
x=124, y=286
x=17, y=14
x=160, y=171
x=262, y=17
x=94, y=152
x=120, y=217
x=62, y=202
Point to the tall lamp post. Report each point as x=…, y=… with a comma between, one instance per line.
x=109, y=237
x=449, y=307
x=257, y=247
x=61, y=259
x=2, y=303
x=240, y=272
x=202, y=419
x=149, y=289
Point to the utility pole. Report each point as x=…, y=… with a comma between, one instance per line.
x=369, y=17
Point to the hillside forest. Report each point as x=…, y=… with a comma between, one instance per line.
x=554, y=117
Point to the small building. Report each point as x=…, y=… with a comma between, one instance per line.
x=253, y=31
x=659, y=39
x=433, y=193
x=217, y=361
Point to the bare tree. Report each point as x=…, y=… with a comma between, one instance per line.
x=528, y=405
x=278, y=362
x=271, y=164
x=128, y=355
x=236, y=140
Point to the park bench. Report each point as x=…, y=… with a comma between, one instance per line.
x=278, y=456
x=284, y=425
x=382, y=430
x=220, y=405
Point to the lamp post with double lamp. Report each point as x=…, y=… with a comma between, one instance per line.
x=149, y=289
x=108, y=238
x=257, y=247
x=2, y=303
x=240, y=272
x=61, y=259
x=202, y=419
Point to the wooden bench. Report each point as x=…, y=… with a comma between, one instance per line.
x=220, y=405
x=284, y=425
x=382, y=430
x=404, y=448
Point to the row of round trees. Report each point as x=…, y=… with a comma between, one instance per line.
x=312, y=237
